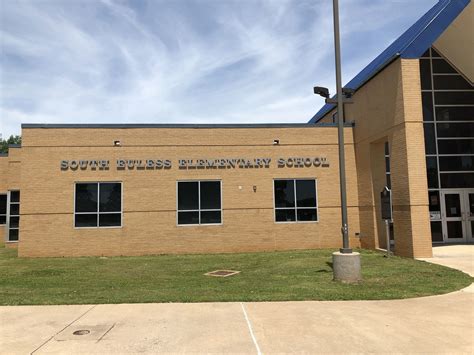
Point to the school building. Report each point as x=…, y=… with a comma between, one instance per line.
x=137, y=189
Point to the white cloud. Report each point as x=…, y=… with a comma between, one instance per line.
x=180, y=61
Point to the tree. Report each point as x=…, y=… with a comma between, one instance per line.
x=5, y=142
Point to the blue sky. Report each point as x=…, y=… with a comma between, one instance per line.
x=182, y=61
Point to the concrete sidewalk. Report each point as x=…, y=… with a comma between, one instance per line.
x=460, y=257
x=437, y=324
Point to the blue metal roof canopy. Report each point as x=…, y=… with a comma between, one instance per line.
x=411, y=44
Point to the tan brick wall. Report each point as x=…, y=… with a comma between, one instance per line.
x=10, y=174
x=3, y=174
x=14, y=168
x=388, y=108
x=149, y=197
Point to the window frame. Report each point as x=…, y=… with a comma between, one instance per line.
x=6, y=208
x=98, y=202
x=296, y=201
x=199, y=210
x=9, y=215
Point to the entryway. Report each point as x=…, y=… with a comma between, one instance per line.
x=457, y=215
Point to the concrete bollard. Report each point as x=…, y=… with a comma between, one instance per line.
x=346, y=267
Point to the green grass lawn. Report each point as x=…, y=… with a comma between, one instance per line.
x=272, y=276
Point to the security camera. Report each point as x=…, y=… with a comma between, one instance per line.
x=348, y=92
x=321, y=91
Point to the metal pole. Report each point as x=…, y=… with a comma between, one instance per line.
x=340, y=117
x=387, y=231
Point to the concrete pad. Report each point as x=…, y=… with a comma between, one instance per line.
x=158, y=328
x=460, y=257
x=25, y=328
x=440, y=324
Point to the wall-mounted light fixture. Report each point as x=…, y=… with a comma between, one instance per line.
x=276, y=142
x=117, y=144
x=254, y=188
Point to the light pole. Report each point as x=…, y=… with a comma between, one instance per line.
x=340, y=132
x=346, y=264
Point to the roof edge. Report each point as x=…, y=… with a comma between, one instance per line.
x=164, y=125
x=411, y=44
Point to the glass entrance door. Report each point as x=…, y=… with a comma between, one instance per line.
x=469, y=216
x=454, y=228
x=458, y=216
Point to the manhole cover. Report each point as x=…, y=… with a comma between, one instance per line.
x=222, y=273
x=81, y=332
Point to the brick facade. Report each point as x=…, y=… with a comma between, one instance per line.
x=387, y=108
x=149, y=196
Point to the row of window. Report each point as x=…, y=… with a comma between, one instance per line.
x=99, y=204
x=448, y=115
x=10, y=214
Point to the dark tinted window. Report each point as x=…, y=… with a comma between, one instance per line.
x=3, y=205
x=307, y=214
x=86, y=197
x=456, y=146
x=457, y=180
x=304, y=209
x=455, y=129
x=110, y=197
x=305, y=193
x=14, y=196
x=210, y=195
x=13, y=235
x=434, y=53
x=209, y=217
x=285, y=215
x=450, y=82
x=86, y=220
x=465, y=163
x=284, y=193
x=459, y=113
x=110, y=219
x=95, y=201
x=188, y=195
x=441, y=66
x=425, y=74
x=430, y=139
x=454, y=97
x=15, y=209
x=196, y=199
x=434, y=202
x=436, y=232
x=14, y=222
x=3, y=219
x=432, y=172
x=188, y=217
x=427, y=102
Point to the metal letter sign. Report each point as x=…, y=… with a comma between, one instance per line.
x=386, y=203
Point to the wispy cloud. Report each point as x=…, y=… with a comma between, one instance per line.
x=181, y=61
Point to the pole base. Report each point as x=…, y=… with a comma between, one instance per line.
x=346, y=267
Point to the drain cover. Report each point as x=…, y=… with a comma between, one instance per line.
x=222, y=273
x=81, y=332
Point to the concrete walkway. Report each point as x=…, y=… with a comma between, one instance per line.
x=460, y=257
x=437, y=324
